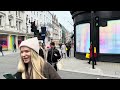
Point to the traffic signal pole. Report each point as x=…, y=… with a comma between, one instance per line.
x=92, y=28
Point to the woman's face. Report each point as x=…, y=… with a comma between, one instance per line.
x=25, y=54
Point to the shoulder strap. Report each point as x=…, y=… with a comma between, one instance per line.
x=51, y=54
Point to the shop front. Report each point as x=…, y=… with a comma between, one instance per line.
x=12, y=41
x=4, y=41
x=20, y=39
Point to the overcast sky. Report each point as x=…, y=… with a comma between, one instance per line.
x=65, y=18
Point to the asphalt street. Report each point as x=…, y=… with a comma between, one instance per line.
x=8, y=64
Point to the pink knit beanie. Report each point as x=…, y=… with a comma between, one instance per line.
x=32, y=43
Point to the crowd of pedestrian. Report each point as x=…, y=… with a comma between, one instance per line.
x=32, y=64
x=37, y=61
x=65, y=50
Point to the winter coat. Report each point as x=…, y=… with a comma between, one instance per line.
x=14, y=45
x=48, y=72
x=95, y=54
x=0, y=48
x=63, y=49
x=51, y=57
x=41, y=53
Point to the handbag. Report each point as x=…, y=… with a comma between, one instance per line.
x=66, y=49
x=60, y=64
x=87, y=55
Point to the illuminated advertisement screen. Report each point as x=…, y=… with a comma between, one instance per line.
x=4, y=42
x=110, y=38
x=83, y=37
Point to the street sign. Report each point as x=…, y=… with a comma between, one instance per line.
x=42, y=34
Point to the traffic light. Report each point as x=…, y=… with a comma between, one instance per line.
x=39, y=36
x=103, y=23
x=36, y=33
x=100, y=22
x=97, y=21
x=43, y=30
x=34, y=29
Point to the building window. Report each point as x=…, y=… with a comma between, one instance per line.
x=40, y=16
x=34, y=12
x=16, y=13
x=31, y=19
x=27, y=19
x=19, y=14
x=17, y=24
x=10, y=22
x=37, y=22
x=0, y=20
x=37, y=14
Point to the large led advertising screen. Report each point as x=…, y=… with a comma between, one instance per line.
x=110, y=37
x=83, y=37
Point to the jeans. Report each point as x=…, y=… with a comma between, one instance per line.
x=54, y=65
x=91, y=60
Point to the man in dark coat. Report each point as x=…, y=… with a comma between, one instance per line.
x=14, y=47
x=1, y=50
x=53, y=55
x=68, y=46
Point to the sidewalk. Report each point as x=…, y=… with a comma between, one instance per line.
x=9, y=52
x=81, y=66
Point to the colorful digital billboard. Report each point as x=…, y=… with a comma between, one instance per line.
x=110, y=37
x=83, y=37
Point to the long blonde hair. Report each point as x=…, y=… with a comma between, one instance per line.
x=37, y=64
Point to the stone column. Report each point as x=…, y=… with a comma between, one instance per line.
x=16, y=41
x=9, y=41
x=6, y=21
x=14, y=19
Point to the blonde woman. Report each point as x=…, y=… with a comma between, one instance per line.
x=31, y=65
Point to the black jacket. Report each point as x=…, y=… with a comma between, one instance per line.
x=51, y=57
x=41, y=53
x=14, y=45
x=0, y=47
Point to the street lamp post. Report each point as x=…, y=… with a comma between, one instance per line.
x=92, y=30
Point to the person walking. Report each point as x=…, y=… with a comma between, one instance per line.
x=68, y=47
x=63, y=50
x=41, y=51
x=14, y=47
x=31, y=65
x=53, y=55
x=1, y=50
x=95, y=55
